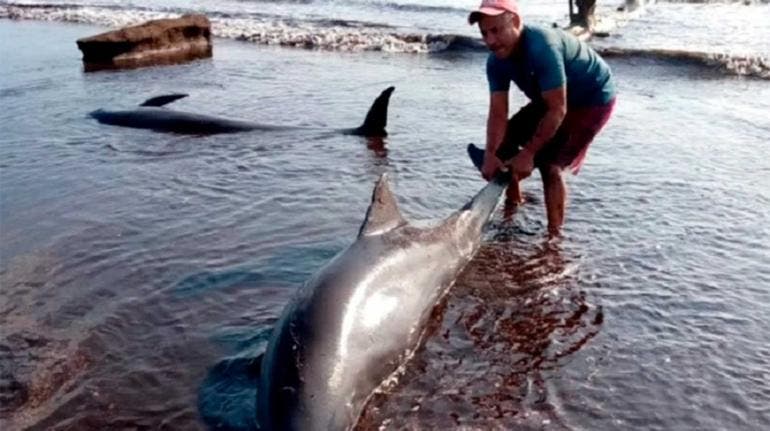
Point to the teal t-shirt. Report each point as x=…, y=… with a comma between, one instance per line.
x=548, y=59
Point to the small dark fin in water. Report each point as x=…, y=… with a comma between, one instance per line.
x=163, y=100
x=377, y=117
x=383, y=213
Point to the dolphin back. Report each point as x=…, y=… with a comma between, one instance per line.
x=152, y=115
x=169, y=120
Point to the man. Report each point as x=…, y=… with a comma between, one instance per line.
x=571, y=91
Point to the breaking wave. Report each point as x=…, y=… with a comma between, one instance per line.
x=323, y=34
x=346, y=35
x=739, y=64
x=411, y=7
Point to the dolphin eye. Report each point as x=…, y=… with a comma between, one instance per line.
x=288, y=393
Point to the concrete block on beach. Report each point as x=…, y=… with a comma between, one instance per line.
x=156, y=42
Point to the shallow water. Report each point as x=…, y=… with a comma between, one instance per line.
x=728, y=28
x=141, y=272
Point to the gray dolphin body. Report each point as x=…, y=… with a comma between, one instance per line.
x=360, y=317
x=152, y=115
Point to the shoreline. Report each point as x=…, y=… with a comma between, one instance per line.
x=738, y=65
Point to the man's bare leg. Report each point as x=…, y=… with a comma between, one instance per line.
x=513, y=193
x=555, y=197
x=513, y=199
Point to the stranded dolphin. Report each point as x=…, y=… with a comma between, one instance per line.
x=152, y=115
x=361, y=316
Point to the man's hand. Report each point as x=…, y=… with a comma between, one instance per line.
x=491, y=165
x=522, y=164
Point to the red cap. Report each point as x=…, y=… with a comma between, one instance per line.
x=493, y=8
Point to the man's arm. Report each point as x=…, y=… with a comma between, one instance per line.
x=556, y=104
x=497, y=122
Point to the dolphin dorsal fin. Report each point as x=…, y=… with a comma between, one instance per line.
x=163, y=100
x=383, y=213
x=377, y=118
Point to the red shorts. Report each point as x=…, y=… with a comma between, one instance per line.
x=569, y=147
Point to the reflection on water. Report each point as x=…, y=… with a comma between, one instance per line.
x=513, y=319
x=377, y=145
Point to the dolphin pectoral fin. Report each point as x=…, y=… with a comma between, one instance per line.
x=255, y=366
x=383, y=213
x=377, y=117
x=226, y=396
x=163, y=100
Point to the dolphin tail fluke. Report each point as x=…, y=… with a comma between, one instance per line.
x=477, y=158
x=377, y=117
x=163, y=100
x=383, y=213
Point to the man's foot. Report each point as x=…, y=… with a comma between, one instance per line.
x=554, y=232
x=509, y=209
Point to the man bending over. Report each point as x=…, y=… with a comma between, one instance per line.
x=570, y=88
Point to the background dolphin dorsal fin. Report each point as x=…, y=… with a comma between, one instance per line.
x=383, y=213
x=377, y=118
x=163, y=100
